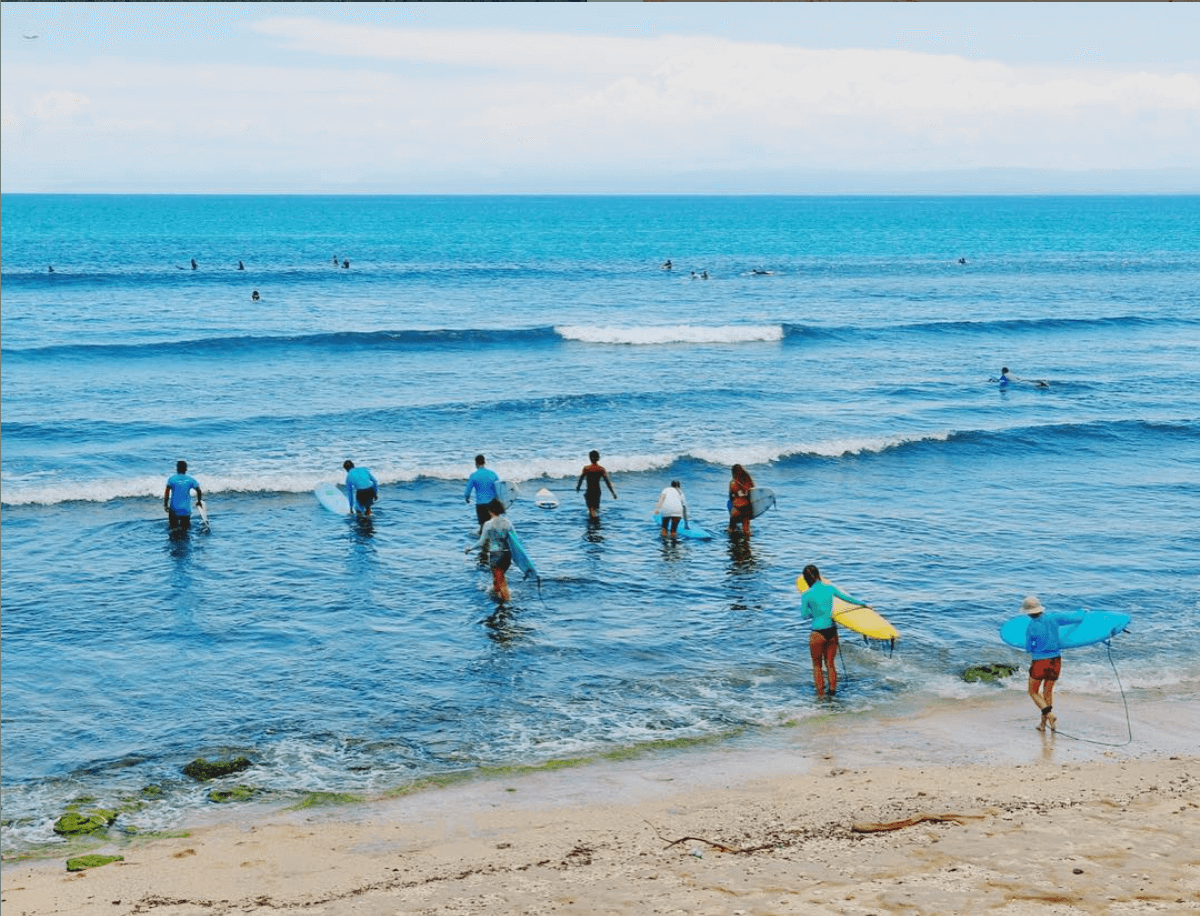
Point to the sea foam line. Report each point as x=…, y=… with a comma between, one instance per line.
x=671, y=334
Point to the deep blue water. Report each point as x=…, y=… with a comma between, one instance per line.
x=838, y=349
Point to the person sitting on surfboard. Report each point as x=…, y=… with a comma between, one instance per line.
x=362, y=489
x=671, y=506
x=739, y=499
x=177, y=499
x=494, y=537
x=817, y=603
x=1004, y=377
x=1042, y=642
x=483, y=482
x=593, y=474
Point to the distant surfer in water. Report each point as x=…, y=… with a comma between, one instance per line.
x=817, y=603
x=1042, y=642
x=255, y=296
x=667, y=265
x=594, y=474
x=483, y=481
x=194, y=264
x=362, y=489
x=740, y=486
x=177, y=499
x=671, y=507
x=494, y=537
x=1004, y=377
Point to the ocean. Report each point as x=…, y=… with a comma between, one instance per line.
x=841, y=348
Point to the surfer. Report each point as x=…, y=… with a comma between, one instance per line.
x=671, y=506
x=1004, y=379
x=254, y=296
x=483, y=481
x=194, y=264
x=362, y=489
x=177, y=499
x=667, y=265
x=494, y=537
x=241, y=266
x=817, y=603
x=593, y=474
x=739, y=499
x=1042, y=642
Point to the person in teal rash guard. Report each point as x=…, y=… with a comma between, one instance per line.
x=1043, y=643
x=817, y=603
x=362, y=489
x=483, y=482
x=177, y=498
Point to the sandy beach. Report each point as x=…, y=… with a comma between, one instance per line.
x=1039, y=825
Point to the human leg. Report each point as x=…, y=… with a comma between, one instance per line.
x=830, y=657
x=816, y=649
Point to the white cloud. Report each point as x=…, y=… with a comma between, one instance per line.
x=550, y=108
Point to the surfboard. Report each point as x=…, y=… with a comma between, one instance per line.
x=507, y=493
x=687, y=529
x=761, y=499
x=1096, y=626
x=332, y=498
x=520, y=557
x=544, y=499
x=857, y=617
x=203, y=510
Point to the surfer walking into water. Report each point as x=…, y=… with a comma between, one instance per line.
x=493, y=537
x=740, y=486
x=177, y=499
x=362, y=489
x=671, y=507
x=817, y=603
x=483, y=481
x=594, y=474
x=1043, y=643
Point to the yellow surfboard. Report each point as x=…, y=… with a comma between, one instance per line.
x=857, y=617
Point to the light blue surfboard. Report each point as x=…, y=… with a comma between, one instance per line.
x=520, y=557
x=1096, y=626
x=688, y=529
x=332, y=498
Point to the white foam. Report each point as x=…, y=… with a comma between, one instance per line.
x=672, y=334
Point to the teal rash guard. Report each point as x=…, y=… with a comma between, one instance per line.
x=1041, y=637
x=817, y=603
x=181, y=492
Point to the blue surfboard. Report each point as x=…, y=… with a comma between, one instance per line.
x=1096, y=626
x=688, y=529
x=520, y=557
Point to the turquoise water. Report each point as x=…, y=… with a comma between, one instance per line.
x=839, y=350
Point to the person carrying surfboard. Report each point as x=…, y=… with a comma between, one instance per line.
x=593, y=474
x=817, y=603
x=494, y=536
x=483, y=481
x=177, y=499
x=362, y=489
x=739, y=500
x=1042, y=642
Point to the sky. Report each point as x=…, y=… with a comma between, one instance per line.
x=604, y=98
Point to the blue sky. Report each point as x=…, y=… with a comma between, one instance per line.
x=599, y=97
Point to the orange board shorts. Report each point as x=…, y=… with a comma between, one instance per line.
x=1046, y=669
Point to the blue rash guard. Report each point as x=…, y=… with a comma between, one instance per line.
x=817, y=603
x=483, y=482
x=359, y=479
x=181, y=486
x=1041, y=638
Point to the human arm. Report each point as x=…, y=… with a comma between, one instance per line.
x=167, y=499
x=610, y=486
x=837, y=591
x=350, y=492
x=658, y=505
x=579, y=482
x=470, y=487
x=199, y=496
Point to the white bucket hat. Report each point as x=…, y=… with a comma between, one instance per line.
x=1031, y=605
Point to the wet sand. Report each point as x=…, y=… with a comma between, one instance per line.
x=961, y=809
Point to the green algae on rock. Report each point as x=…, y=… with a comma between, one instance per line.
x=233, y=794
x=989, y=673
x=75, y=824
x=203, y=770
x=80, y=863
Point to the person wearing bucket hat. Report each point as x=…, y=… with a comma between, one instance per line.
x=1042, y=642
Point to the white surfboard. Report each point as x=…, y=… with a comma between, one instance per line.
x=761, y=499
x=332, y=498
x=544, y=499
x=507, y=493
x=203, y=510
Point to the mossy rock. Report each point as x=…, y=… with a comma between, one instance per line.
x=989, y=673
x=152, y=791
x=80, y=863
x=322, y=799
x=203, y=770
x=75, y=824
x=234, y=794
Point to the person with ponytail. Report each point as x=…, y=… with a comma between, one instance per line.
x=817, y=603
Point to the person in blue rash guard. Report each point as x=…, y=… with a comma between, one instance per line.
x=362, y=489
x=177, y=498
x=483, y=482
x=1042, y=642
x=817, y=603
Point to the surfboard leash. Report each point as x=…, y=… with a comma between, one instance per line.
x=1124, y=701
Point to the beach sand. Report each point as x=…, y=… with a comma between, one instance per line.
x=1016, y=823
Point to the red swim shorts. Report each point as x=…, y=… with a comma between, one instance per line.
x=1046, y=669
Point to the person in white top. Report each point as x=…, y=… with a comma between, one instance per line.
x=671, y=507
